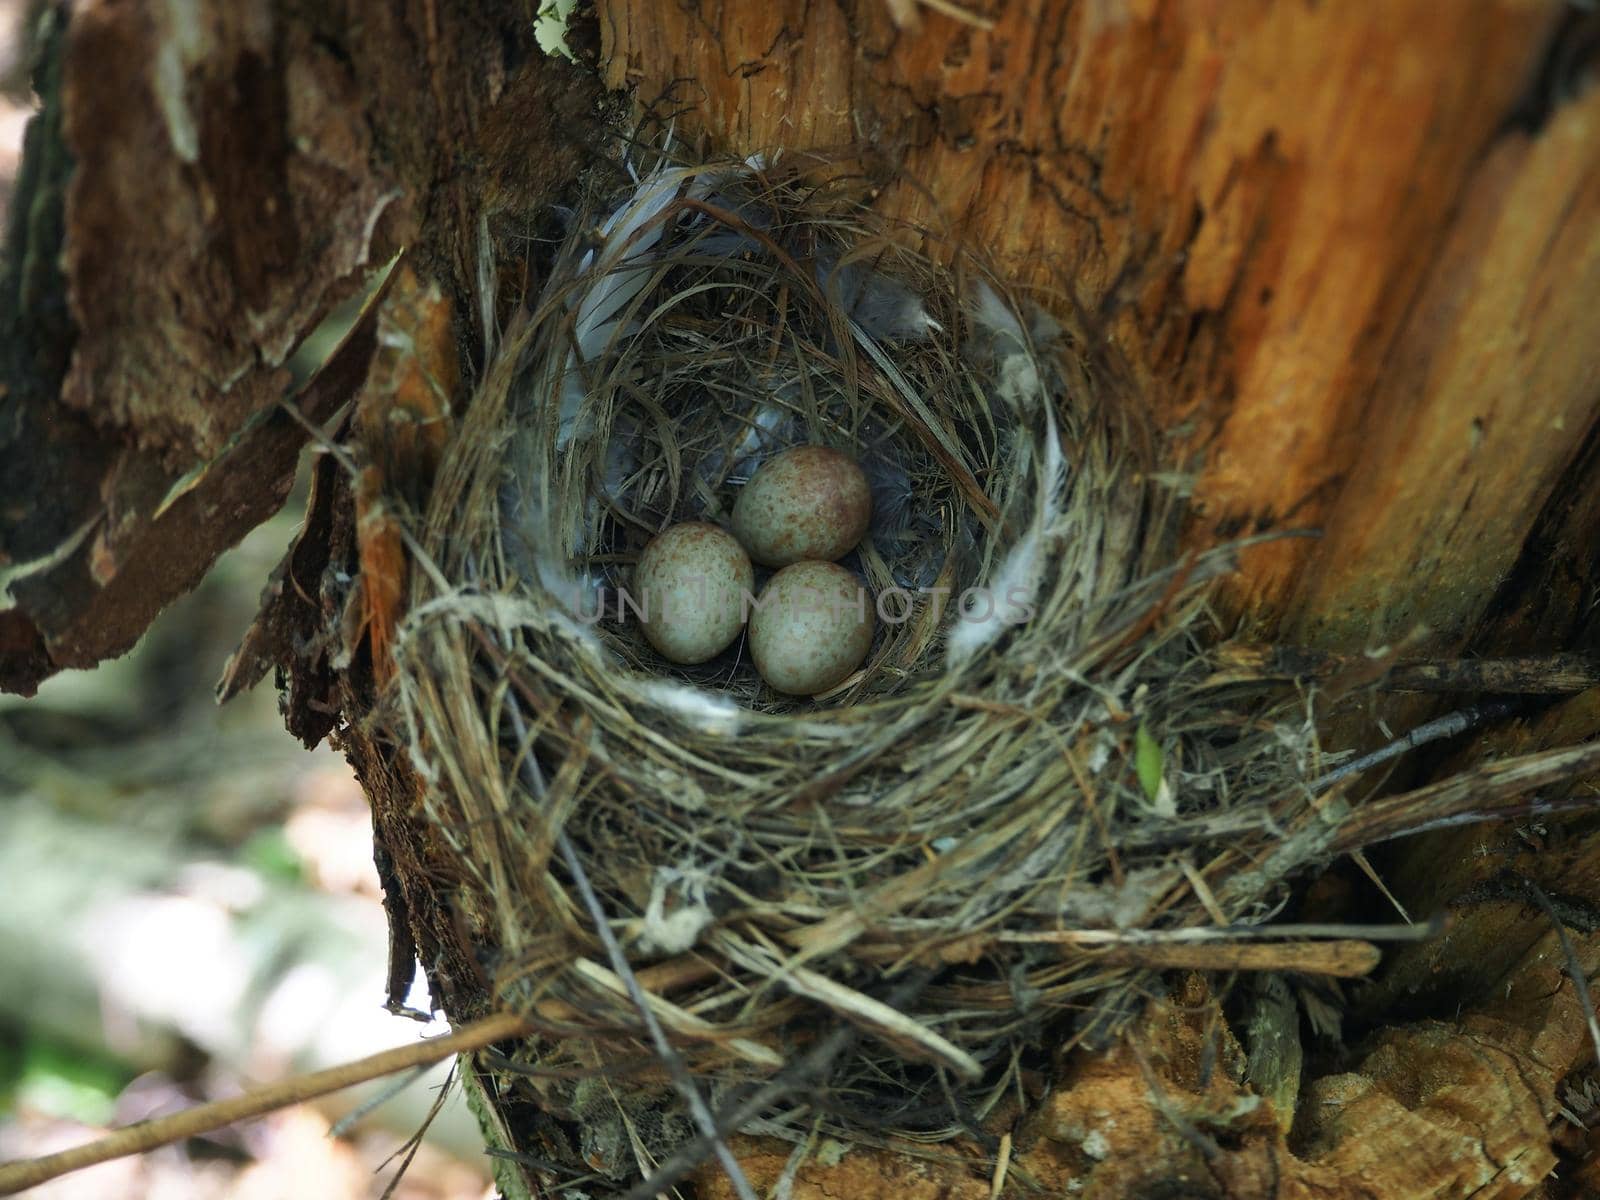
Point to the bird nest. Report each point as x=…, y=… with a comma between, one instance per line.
x=865, y=911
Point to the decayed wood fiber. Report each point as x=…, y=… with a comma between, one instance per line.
x=1351, y=246
x=1442, y=1109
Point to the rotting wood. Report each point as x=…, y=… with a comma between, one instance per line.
x=1435, y=1108
x=1477, y=875
x=1352, y=249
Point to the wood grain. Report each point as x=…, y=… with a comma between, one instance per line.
x=1443, y=1109
x=1347, y=247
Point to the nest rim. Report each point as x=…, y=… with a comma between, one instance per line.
x=806, y=856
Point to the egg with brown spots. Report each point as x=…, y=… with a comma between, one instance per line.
x=811, y=626
x=690, y=590
x=811, y=502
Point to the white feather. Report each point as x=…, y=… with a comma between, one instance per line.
x=1019, y=379
x=619, y=267
x=1100, y=751
x=1113, y=906
x=619, y=270
x=675, y=932
x=616, y=273
x=621, y=459
x=575, y=592
x=884, y=307
x=771, y=427
x=994, y=315
x=1022, y=569
x=1052, y=473
x=529, y=546
x=762, y=432
x=705, y=711
x=1019, y=382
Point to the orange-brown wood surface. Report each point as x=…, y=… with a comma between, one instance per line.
x=1351, y=254
x=1352, y=249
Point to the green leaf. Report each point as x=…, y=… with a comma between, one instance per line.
x=67, y=1082
x=10, y=1068
x=269, y=853
x=1148, y=762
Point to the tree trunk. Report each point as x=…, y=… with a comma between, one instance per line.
x=1349, y=252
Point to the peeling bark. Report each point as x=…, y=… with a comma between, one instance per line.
x=198, y=193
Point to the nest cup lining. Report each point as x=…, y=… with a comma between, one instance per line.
x=726, y=325
x=884, y=857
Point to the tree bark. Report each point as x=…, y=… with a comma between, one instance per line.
x=202, y=187
x=1349, y=252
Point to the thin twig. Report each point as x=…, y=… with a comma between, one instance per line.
x=205, y=1118
x=1544, y=675
x=1002, y=1163
x=1580, y=980
x=364, y=1110
x=1359, y=857
x=1447, y=726
x=679, y=1071
x=732, y=1117
x=1414, y=932
x=813, y=1065
x=414, y=1142
x=1485, y=793
x=1341, y=959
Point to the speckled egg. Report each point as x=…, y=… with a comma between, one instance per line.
x=690, y=588
x=811, y=502
x=811, y=626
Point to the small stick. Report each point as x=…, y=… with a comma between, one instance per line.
x=813, y=1065
x=205, y=1118
x=677, y=1069
x=1447, y=726
x=1415, y=932
x=1580, y=980
x=1488, y=792
x=1361, y=860
x=1342, y=959
x=365, y=1109
x=736, y=1114
x=414, y=1143
x=1002, y=1164
x=1545, y=675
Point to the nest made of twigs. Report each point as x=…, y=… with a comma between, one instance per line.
x=941, y=859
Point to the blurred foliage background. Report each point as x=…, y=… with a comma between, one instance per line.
x=191, y=907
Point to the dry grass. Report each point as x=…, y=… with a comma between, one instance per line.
x=911, y=858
